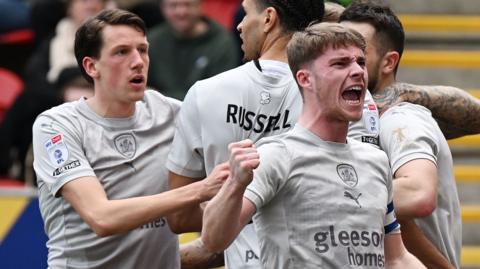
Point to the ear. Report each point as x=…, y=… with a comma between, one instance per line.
x=390, y=62
x=270, y=20
x=90, y=66
x=304, y=79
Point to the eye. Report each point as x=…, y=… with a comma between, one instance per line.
x=143, y=50
x=121, y=52
x=361, y=62
x=338, y=64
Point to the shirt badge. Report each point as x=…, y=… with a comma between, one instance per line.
x=126, y=145
x=57, y=150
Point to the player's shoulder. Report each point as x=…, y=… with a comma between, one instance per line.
x=156, y=100
x=226, y=81
x=66, y=114
x=365, y=151
x=65, y=110
x=406, y=109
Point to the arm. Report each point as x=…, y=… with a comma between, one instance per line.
x=415, y=189
x=396, y=256
x=189, y=218
x=108, y=217
x=454, y=109
x=194, y=255
x=418, y=244
x=228, y=212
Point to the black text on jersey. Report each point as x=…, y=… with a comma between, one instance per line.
x=260, y=123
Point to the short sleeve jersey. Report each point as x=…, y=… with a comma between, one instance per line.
x=321, y=204
x=127, y=156
x=238, y=104
x=409, y=132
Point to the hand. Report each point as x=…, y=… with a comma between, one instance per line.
x=213, y=182
x=243, y=159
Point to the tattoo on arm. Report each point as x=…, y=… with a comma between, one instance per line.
x=455, y=110
x=194, y=255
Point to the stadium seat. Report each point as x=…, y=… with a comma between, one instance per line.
x=10, y=87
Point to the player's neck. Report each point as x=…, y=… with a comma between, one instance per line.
x=327, y=130
x=275, y=48
x=109, y=109
x=384, y=83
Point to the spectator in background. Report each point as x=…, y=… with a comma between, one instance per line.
x=187, y=47
x=15, y=129
x=56, y=53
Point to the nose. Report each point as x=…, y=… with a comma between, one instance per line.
x=138, y=62
x=239, y=26
x=357, y=70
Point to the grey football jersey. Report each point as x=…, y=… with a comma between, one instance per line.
x=128, y=157
x=238, y=104
x=321, y=204
x=409, y=132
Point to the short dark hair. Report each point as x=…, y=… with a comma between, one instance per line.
x=295, y=15
x=305, y=46
x=388, y=28
x=88, y=39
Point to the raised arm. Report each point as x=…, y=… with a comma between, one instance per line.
x=107, y=217
x=228, y=212
x=415, y=189
x=189, y=218
x=455, y=110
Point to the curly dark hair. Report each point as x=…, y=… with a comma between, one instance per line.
x=295, y=15
x=389, y=33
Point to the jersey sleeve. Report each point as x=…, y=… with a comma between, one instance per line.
x=390, y=224
x=186, y=153
x=408, y=133
x=271, y=175
x=58, y=154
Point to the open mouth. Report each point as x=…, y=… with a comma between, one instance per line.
x=137, y=80
x=353, y=95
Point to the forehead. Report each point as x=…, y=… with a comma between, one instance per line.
x=249, y=4
x=116, y=35
x=180, y=1
x=341, y=52
x=364, y=28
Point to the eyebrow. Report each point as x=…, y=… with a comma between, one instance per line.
x=347, y=58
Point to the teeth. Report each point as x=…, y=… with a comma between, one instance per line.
x=355, y=88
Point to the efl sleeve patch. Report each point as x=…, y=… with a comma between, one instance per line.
x=57, y=150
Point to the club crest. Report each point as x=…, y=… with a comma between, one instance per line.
x=347, y=174
x=126, y=145
x=264, y=98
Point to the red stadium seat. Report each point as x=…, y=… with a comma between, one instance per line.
x=10, y=87
x=221, y=11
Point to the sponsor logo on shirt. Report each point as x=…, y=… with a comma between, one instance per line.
x=250, y=255
x=353, y=196
x=57, y=150
x=158, y=223
x=370, y=139
x=354, y=241
x=259, y=123
x=65, y=168
x=126, y=145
